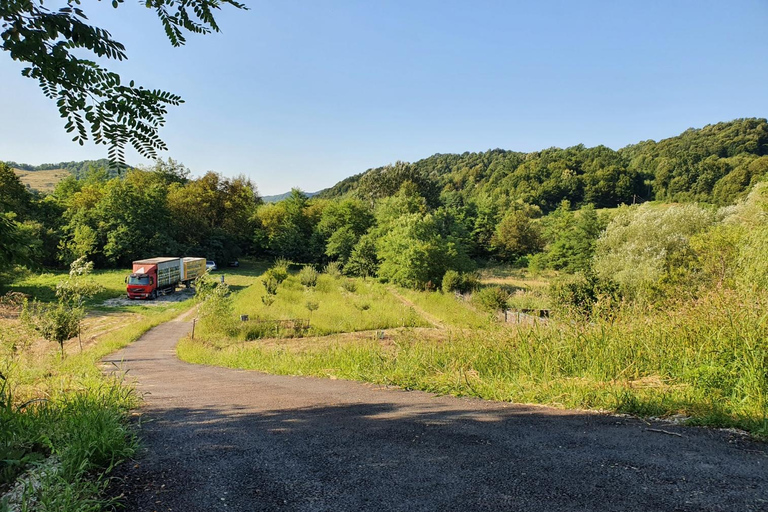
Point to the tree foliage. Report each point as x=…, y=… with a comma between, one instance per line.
x=643, y=245
x=96, y=102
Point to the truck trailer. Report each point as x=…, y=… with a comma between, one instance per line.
x=160, y=276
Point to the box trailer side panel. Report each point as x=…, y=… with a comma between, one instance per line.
x=193, y=268
x=169, y=272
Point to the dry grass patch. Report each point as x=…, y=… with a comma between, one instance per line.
x=43, y=181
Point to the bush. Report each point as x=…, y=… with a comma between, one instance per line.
x=349, y=285
x=581, y=294
x=270, y=284
x=461, y=282
x=217, y=303
x=642, y=247
x=273, y=277
x=491, y=299
x=451, y=281
x=279, y=274
x=308, y=276
x=333, y=269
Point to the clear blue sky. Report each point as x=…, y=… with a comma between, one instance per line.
x=305, y=93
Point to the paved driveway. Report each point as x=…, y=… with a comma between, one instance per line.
x=217, y=439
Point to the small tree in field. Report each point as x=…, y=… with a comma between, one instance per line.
x=54, y=322
x=311, y=305
x=308, y=276
x=63, y=320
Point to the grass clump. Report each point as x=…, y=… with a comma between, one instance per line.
x=333, y=269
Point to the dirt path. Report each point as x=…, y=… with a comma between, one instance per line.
x=229, y=440
x=436, y=322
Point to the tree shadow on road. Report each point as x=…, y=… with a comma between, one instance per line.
x=392, y=456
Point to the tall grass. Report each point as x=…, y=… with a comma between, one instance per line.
x=705, y=360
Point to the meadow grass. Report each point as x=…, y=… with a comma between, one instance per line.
x=448, y=309
x=704, y=360
x=365, y=306
x=44, y=181
x=42, y=285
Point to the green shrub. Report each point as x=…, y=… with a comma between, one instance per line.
x=270, y=283
x=349, y=285
x=461, y=282
x=451, y=281
x=280, y=267
x=308, y=276
x=491, y=298
x=279, y=274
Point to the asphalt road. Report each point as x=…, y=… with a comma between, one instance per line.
x=229, y=440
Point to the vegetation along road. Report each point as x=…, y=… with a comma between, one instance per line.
x=224, y=439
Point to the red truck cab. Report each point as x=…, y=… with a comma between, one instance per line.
x=141, y=285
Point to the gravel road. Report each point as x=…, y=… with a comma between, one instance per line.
x=229, y=440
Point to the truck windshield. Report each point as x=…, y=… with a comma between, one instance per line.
x=138, y=280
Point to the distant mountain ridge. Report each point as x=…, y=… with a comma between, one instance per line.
x=280, y=197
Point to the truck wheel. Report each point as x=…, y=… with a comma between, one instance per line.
x=154, y=295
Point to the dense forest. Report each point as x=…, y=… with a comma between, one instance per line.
x=403, y=223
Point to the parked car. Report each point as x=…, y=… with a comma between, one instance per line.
x=234, y=264
x=211, y=265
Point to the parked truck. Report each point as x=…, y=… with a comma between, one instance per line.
x=160, y=276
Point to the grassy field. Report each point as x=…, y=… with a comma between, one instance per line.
x=66, y=411
x=342, y=306
x=42, y=285
x=679, y=362
x=44, y=181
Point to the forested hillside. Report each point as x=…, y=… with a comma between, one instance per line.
x=715, y=164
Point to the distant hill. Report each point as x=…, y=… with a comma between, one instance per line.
x=280, y=197
x=75, y=168
x=42, y=181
